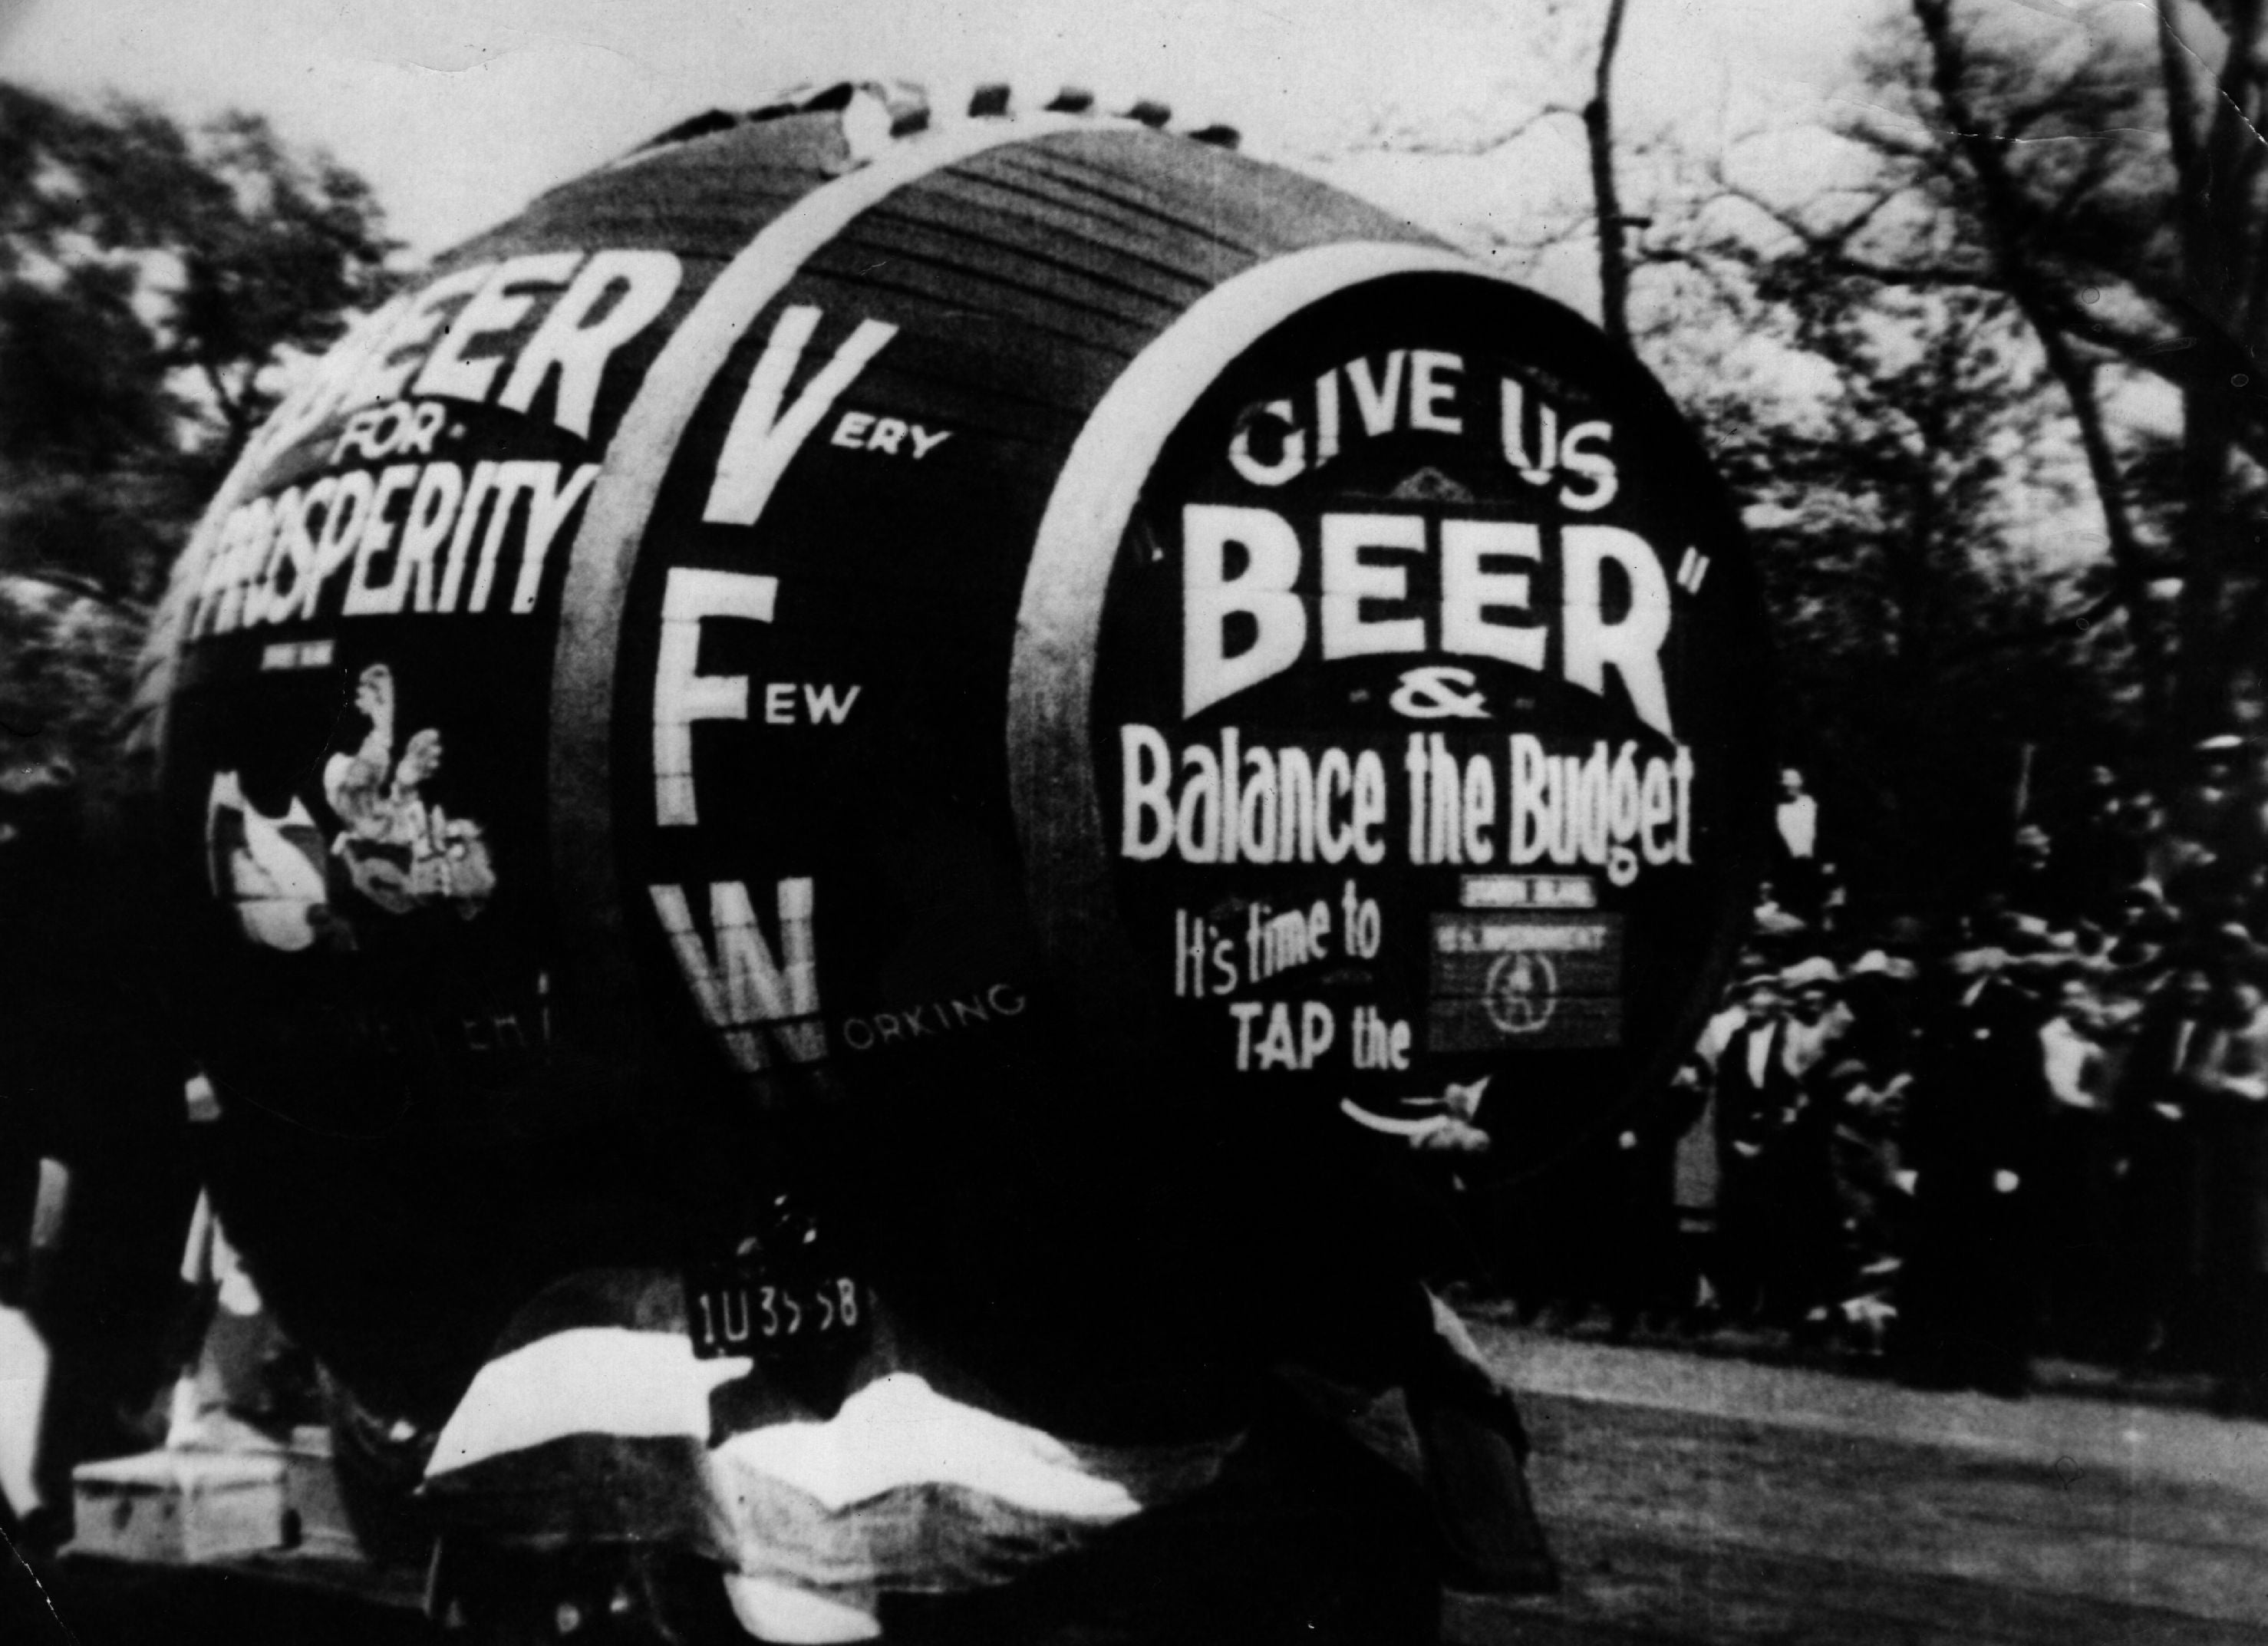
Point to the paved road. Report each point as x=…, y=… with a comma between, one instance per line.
x=1707, y=1501
x=1692, y=1500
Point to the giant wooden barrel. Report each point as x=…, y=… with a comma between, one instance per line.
x=1076, y=649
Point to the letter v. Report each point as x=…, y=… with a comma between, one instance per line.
x=762, y=442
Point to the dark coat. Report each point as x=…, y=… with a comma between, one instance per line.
x=1979, y=1096
x=1748, y=1110
x=1980, y=1085
x=2165, y=1069
x=2232, y=1121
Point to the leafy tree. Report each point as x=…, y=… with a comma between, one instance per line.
x=153, y=281
x=2112, y=186
x=1925, y=616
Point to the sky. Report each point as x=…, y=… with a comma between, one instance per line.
x=459, y=111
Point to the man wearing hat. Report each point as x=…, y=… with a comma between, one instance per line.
x=2154, y=1110
x=1757, y=1091
x=1805, y=1250
x=1966, y=1306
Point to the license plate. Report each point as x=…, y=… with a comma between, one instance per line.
x=740, y=1309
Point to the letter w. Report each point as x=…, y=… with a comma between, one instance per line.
x=740, y=988
x=762, y=442
x=823, y=706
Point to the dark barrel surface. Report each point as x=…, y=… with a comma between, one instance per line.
x=1071, y=646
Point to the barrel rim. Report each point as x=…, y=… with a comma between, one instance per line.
x=594, y=914
x=1059, y=620
x=1068, y=863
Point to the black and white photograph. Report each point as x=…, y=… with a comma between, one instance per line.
x=1045, y=822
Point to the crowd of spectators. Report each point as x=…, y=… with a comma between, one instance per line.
x=2036, y=1123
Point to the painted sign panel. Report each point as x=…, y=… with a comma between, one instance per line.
x=1525, y=982
x=1428, y=614
x=361, y=717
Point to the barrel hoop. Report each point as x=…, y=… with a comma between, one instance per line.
x=621, y=501
x=1051, y=677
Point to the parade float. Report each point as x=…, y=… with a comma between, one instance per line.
x=992, y=724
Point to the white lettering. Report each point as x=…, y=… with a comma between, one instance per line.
x=740, y=988
x=389, y=364
x=1470, y=591
x=377, y=539
x=1292, y=456
x=1378, y=404
x=440, y=488
x=1209, y=598
x=552, y=504
x=1607, y=810
x=583, y=331
x=1535, y=469
x=1595, y=466
x=1427, y=390
x=824, y=707
x=1632, y=645
x=1349, y=580
x=682, y=693
x=762, y=439
x=1145, y=784
x=497, y=307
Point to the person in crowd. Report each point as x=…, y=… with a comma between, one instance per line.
x=2033, y=882
x=1561, y=1235
x=2158, y=1161
x=2232, y=1100
x=2176, y=865
x=1757, y=1093
x=1694, y=1176
x=2248, y=814
x=1640, y=1271
x=1834, y=902
x=2075, y=1178
x=1805, y=1267
x=1867, y=1084
x=1696, y=1170
x=1816, y=1018
x=2090, y=948
x=90, y=1108
x=2046, y=1109
x=1965, y=1304
x=1864, y=1253
x=1796, y=863
x=2095, y=857
x=1776, y=929
x=1878, y=997
x=2142, y=826
x=2146, y=926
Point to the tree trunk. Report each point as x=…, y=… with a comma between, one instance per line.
x=1598, y=127
x=1998, y=205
